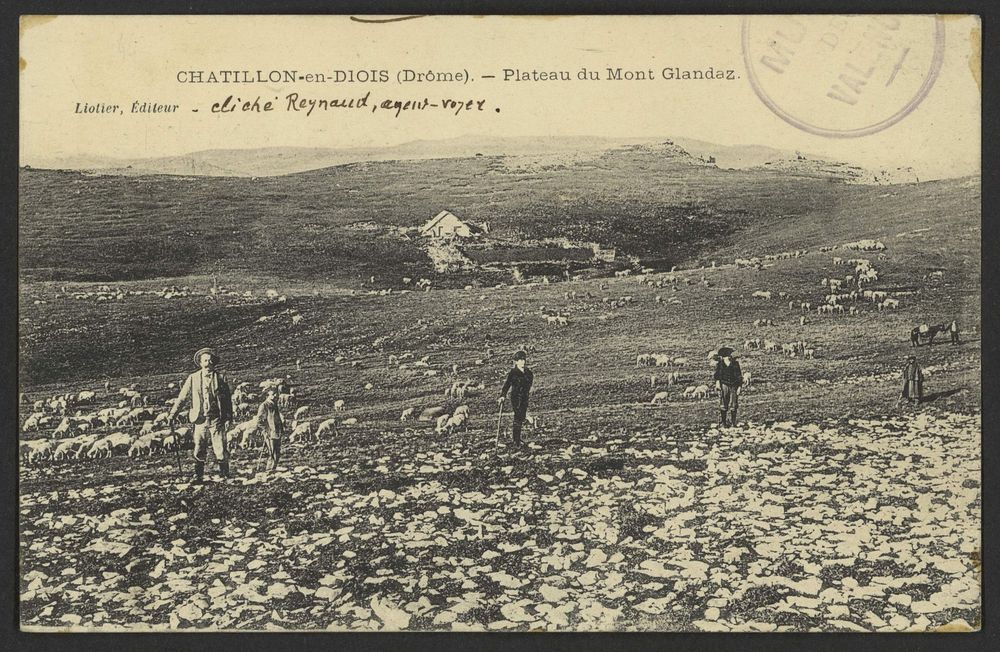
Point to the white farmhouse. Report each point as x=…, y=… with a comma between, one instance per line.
x=446, y=225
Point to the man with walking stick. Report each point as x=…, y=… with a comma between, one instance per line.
x=270, y=422
x=518, y=382
x=211, y=412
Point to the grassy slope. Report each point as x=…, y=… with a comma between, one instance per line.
x=587, y=363
x=593, y=400
x=654, y=202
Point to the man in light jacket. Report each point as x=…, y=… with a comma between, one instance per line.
x=211, y=411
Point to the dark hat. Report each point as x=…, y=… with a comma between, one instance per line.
x=724, y=352
x=210, y=351
x=911, y=357
x=520, y=355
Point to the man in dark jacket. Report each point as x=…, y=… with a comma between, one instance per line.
x=519, y=381
x=728, y=380
x=913, y=381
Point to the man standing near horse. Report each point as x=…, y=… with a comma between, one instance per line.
x=519, y=380
x=211, y=411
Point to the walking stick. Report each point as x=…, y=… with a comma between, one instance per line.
x=177, y=451
x=260, y=458
x=499, y=418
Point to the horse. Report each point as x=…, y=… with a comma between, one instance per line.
x=923, y=332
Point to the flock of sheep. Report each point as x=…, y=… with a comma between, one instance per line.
x=78, y=430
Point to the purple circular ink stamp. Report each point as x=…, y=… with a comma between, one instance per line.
x=842, y=76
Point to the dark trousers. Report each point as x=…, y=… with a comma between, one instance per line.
x=520, y=414
x=273, y=452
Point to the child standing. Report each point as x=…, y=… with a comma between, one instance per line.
x=270, y=422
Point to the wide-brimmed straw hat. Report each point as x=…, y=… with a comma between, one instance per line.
x=215, y=356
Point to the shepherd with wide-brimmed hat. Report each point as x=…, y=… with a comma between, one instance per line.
x=728, y=380
x=211, y=411
x=518, y=382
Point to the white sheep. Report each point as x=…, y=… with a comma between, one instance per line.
x=326, y=427
x=300, y=431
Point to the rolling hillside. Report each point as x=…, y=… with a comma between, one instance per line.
x=655, y=202
x=831, y=506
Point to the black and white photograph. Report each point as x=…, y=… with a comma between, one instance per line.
x=500, y=324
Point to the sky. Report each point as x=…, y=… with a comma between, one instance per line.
x=71, y=60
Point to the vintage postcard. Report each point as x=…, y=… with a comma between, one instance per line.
x=466, y=323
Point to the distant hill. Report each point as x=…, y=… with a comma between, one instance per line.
x=656, y=202
x=276, y=161
x=273, y=161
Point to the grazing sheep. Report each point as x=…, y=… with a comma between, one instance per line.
x=300, y=431
x=747, y=379
x=326, y=427
x=144, y=446
x=701, y=391
x=242, y=433
x=407, y=414
x=431, y=413
x=458, y=421
x=36, y=451
x=350, y=422
x=660, y=396
x=339, y=405
x=761, y=294
x=689, y=391
x=442, y=423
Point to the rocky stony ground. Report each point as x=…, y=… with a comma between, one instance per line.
x=840, y=525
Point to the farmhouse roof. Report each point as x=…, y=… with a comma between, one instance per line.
x=441, y=217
